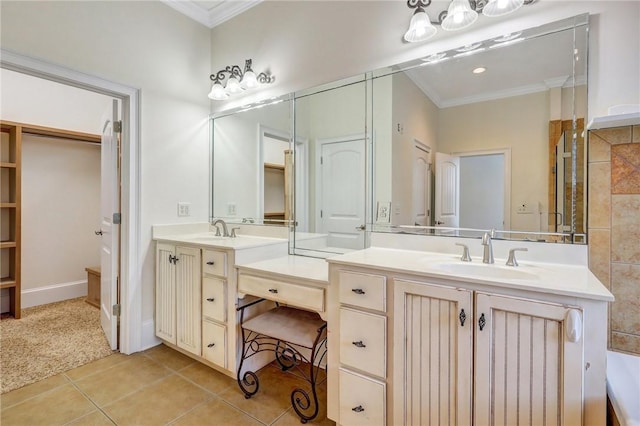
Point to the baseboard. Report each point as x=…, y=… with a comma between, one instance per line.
x=149, y=338
x=53, y=293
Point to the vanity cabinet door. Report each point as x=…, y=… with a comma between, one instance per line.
x=528, y=362
x=432, y=370
x=188, y=299
x=165, y=293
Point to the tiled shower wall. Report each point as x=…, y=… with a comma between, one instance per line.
x=614, y=228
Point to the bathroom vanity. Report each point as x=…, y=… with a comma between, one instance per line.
x=419, y=336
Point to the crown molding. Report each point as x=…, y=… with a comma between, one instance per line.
x=214, y=17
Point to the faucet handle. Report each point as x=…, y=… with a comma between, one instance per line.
x=511, y=260
x=218, y=234
x=466, y=257
x=233, y=232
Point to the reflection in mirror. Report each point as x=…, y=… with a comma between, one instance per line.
x=467, y=139
x=251, y=164
x=330, y=187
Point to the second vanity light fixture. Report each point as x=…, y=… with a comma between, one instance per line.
x=233, y=80
x=460, y=14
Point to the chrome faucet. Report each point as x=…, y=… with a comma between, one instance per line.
x=224, y=228
x=487, y=256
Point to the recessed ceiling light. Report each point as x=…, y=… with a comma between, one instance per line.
x=479, y=70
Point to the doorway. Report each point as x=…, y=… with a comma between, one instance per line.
x=130, y=319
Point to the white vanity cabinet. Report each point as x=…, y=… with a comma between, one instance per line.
x=461, y=352
x=214, y=307
x=178, y=298
x=508, y=361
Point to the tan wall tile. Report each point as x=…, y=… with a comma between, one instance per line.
x=635, y=137
x=625, y=309
x=600, y=255
x=625, y=342
x=625, y=169
x=625, y=228
x=599, y=195
x=599, y=149
x=615, y=135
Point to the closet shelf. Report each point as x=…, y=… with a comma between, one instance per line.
x=8, y=205
x=8, y=165
x=274, y=166
x=273, y=214
x=7, y=244
x=7, y=282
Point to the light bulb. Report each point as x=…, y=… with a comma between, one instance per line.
x=217, y=92
x=233, y=86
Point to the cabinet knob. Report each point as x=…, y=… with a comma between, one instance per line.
x=273, y=290
x=211, y=263
x=358, y=409
x=358, y=290
x=210, y=299
x=210, y=345
x=481, y=322
x=359, y=344
x=462, y=317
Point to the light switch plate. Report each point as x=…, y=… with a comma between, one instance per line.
x=184, y=209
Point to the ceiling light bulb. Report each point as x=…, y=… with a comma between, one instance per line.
x=501, y=7
x=459, y=16
x=420, y=28
x=217, y=92
x=233, y=86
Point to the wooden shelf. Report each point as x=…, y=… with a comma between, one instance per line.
x=8, y=165
x=7, y=244
x=273, y=166
x=274, y=214
x=8, y=205
x=7, y=282
x=33, y=129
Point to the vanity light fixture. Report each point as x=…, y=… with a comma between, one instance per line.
x=459, y=15
x=237, y=81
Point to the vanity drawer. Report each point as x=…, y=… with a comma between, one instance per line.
x=363, y=290
x=302, y=296
x=214, y=263
x=213, y=343
x=213, y=299
x=362, y=400
x=363, y=341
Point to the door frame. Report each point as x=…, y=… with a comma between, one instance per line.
x=131, y=325
x=263, y=131
x=506, y=152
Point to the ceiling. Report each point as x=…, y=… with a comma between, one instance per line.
x=211, y=12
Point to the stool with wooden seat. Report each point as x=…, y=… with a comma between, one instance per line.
x=287, y=331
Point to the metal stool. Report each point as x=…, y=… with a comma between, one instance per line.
x=285, y=330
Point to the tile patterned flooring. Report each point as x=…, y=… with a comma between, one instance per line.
x=157, y=387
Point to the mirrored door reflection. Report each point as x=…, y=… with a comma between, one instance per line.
x=330, y=164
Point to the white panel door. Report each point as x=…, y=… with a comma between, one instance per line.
x=343, y=193
x=110, y=240
x=166, y=292
x=447, y=205
x=421, y=187
x=188, y=299
x=526, y=369
x=432, y=366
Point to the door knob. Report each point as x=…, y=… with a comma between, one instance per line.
x=438, y=222
x=98, y=232
x=361, y=227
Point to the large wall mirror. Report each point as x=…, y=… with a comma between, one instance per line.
x=486, y=136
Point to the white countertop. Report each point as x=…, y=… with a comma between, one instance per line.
x=208, y=239
x=566, y=280
x=300, y=267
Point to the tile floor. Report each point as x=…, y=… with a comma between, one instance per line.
x=157, y=387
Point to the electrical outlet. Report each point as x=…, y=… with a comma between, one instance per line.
x=231, y=209
x=184, y=209
x=524, y=208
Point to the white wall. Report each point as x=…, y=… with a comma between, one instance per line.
x=146, y=45
x=309, y=43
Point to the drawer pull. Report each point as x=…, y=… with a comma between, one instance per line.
x=359, y=344
x=481, y=322
x=210, y=299
x=358, y=409
x=211, y=263
x=462, y=317
x=358, y=290
x=273, y=290
x=210, y=345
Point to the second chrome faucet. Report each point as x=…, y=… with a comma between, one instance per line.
x=487, y=256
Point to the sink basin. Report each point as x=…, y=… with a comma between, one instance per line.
x=483, y=270
x=211, y=237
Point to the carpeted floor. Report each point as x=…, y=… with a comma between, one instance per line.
x=48, y=340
